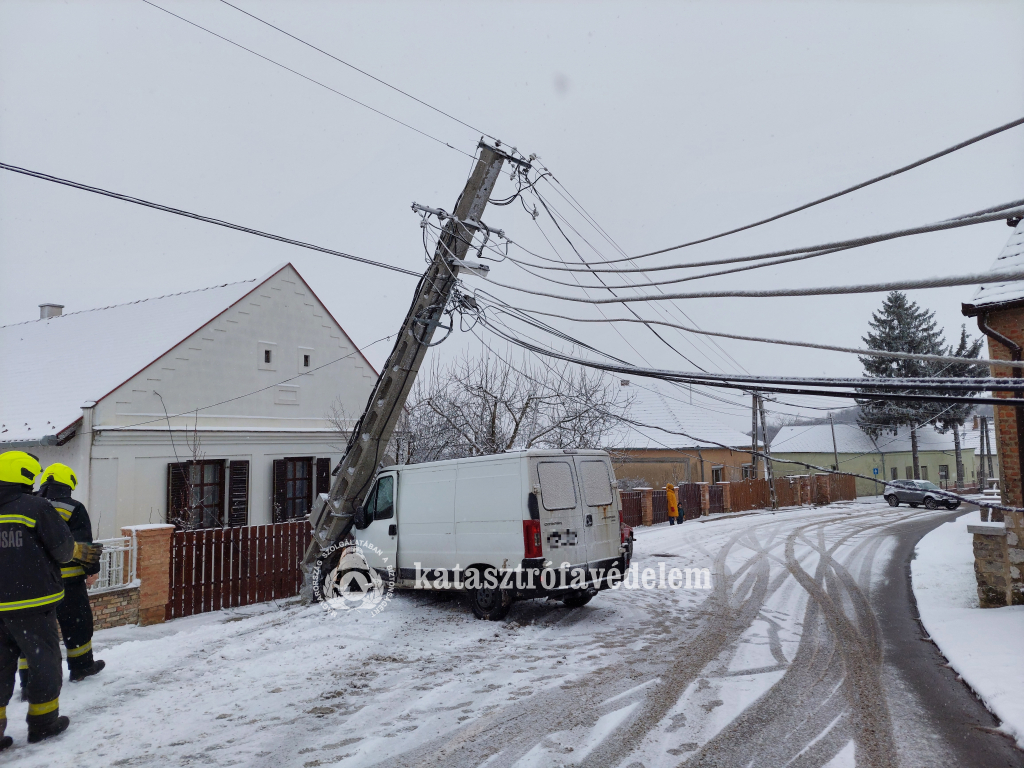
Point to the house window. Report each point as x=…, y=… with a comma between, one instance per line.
x=910, y=473
x=293, y=488
x=943, y=471
x=305, y=361
x=924, y=473
x=894, y=473
x=266, y=355
x=196, y=494
x=716, y=474
x=748, y=471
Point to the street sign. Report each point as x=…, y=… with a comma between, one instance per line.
x=874, y=470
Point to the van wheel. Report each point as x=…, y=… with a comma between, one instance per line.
x=492, y=604
x=577, y=599
x=931, y=503
x=893, y=500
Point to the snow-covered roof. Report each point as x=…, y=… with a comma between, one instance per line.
x=52, y=367
x=817, y=438
x=665, y=410
x=1010, y=258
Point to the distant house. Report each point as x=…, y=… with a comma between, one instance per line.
x=670, y=440
x=207, y=407
x=889, y=457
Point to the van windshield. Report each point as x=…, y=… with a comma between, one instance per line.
x=557, y=489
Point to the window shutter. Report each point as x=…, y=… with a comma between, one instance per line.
x=238, y=494
x=323, y=475
x=310, y=485
x=280, y=483
x=177, y=489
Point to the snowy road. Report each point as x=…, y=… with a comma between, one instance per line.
x=783, y=662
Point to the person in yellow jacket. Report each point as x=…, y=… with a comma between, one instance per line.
x=673, y=504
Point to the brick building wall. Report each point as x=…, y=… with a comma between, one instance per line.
x=1010, y=323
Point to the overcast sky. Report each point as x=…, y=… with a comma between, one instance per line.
x=666, y=121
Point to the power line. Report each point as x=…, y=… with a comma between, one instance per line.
x=993, y=213
x=306, y=77
x=833, y=290
x=199, y=217
x=848, y=190
x=357, y=69
x=807, y=344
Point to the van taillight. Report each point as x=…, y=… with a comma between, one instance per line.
x=531, y=538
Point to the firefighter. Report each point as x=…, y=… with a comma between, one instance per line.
x=34, y=541
x=673, y=504
x=74, y=614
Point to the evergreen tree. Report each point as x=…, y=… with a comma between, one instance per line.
x=900, y=326
x=952, y=417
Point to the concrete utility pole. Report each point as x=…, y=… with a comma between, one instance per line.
x=332, y=521
x=835, y=451
x=769, y=470
x=982, y=439
x=753, y=435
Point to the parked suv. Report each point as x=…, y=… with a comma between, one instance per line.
x=917, y=492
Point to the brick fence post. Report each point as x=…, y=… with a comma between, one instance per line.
x=726, y=499
x=705, y=499
x=153, y=569
x=991, y=565
x=646, y=506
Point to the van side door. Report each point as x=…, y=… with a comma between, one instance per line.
x=561, y=511
x=600, y=517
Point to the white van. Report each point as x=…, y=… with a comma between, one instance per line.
x=534, y=523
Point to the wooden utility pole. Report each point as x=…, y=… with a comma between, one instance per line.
x=769, y=470
x=332, y=521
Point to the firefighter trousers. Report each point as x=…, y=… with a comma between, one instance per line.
x=34, y=637
x=74, y=614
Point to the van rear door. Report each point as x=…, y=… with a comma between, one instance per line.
x=600, y=517
x=561, y=511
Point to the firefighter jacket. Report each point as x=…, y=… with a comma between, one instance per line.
x=76, y=516
x=673, y=500
x=34, y=541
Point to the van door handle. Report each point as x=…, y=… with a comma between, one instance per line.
x=392, y=530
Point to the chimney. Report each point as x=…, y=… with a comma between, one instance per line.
x=47, y=311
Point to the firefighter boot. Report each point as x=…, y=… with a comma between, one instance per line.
x=39, y=731
x=77, y=675
x=5, y=741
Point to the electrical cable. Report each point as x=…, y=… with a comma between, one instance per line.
x=835, y=290
x=306, y=77
x=848, y=190
x=809, y=345
x=198, y=217
x=993, y=213
x=360, y=71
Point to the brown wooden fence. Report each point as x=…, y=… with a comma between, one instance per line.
x=224, y=568
x=749, y=494
x=689, y=500
x=659, y=500
x=631, y=512
x=716, y=499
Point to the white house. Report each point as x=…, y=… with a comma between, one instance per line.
x=214, y=399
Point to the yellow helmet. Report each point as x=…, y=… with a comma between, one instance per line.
x=18, y=467
x=60, y=473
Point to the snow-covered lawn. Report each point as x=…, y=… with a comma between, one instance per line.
x=982, y=645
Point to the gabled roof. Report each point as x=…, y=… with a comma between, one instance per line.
x=817, y=438
x=51, y=368
x=665, y=412
x=999, y=294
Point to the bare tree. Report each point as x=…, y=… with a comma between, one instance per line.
x=482, y=405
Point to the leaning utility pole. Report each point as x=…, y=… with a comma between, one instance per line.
x=769, y=470
x=835, y=450
x=753, y=435
x=332, y=521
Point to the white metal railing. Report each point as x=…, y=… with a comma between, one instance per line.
x=117, y=564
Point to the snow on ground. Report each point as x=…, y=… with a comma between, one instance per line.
x=982, y=644
x=637, y=672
